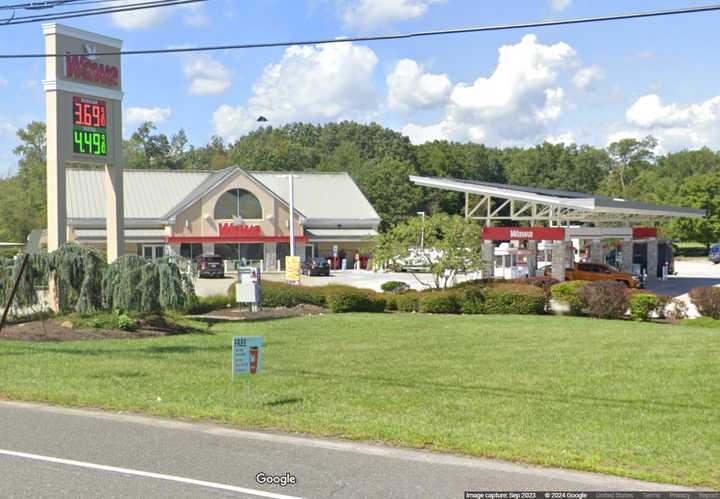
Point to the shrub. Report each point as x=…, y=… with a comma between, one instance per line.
x=132, y=283
x=105, y=320
x=408, y=302
x=204, y=304
x=472, y=300
x=355, y=300
x=707, y=301
x=514, y=299
x=394, y=287
x=605, y=299
x=440, y=302
x=476, y=283
x=125, y=323
x=503, y=298
x=569, y=292
x=541, y=281
x=391, y=302
x=280, y=294
x=644, y=305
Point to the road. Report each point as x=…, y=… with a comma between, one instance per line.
x=57, y=452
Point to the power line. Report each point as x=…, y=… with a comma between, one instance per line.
x=47, y=4
x=401, y=36
x=94, y=12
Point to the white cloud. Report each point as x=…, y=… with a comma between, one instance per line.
x=316, y=84
x=410, y=87
x=515, y=104
x=623, y=134
x=136, y=115
x=648, y=111
x=560, y=4
x=421, y=134
x=207, y=76
x=562, y=138
x=585, y=78
x=3, y=82
x=193, y=15
x=366, y=14
x=676, y=126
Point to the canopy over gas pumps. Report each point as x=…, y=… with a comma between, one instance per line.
x=559, y=217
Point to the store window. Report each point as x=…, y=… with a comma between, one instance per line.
x=238, y=203
x=242, y=251
x=190, y=251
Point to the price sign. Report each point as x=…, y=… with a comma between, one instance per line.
x=89, y=126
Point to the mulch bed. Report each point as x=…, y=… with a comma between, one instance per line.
x=54, y=330
x=240, y=314
x=62, y=330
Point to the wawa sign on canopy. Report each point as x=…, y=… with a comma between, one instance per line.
x=523, y=234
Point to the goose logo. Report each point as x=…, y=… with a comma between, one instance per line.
x=91, y=51
x=87, y=68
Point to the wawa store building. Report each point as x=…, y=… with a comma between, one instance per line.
x=234, y=213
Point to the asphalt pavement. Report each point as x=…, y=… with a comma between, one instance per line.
x=53, y=452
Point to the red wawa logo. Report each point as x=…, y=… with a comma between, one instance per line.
x=236, y=230
x=84, y=67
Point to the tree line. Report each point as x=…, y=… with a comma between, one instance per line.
x=380, y=160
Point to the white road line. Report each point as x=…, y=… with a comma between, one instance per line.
x=146, y=474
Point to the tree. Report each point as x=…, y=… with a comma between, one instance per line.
x=23, y=198
x=146, y=149
x=557, y=166
x=452, y=245
x=387, y=186
x=455, y=160
x=628, y=156
x=701, y=191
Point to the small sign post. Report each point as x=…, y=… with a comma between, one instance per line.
x=247, y=357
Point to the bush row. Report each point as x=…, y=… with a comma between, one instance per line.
x=602, y=299
x=612, y=300
x=337, y=298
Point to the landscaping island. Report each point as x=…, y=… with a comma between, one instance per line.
x=635, y=399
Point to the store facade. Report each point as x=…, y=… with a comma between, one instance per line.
x=234, y=213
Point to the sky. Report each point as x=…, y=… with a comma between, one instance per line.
x=585, y=84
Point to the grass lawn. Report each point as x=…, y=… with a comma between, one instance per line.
x=639, y=400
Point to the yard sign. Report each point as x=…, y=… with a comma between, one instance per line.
x=247, y=354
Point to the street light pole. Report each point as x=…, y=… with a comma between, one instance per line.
x=422, y=230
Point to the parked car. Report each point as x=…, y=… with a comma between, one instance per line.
x=714, y=254
x=316, y=266
x=210, y=266
x=600, y=272
x=417, y=260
